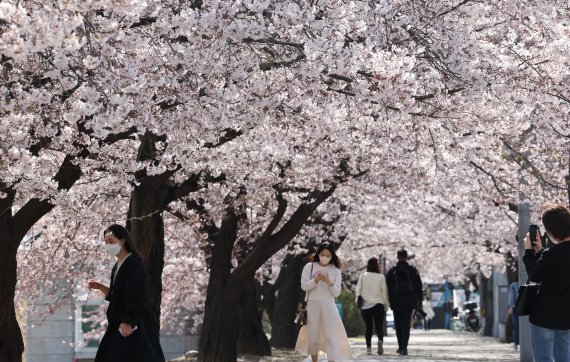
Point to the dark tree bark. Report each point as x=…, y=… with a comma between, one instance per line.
x=287, y=294
x=219, y=330
x=251, y=337
x=486, y=298
x=146, y=226
x=568, y=179
x=149, y=199
x=11, y=342
x=512, y=276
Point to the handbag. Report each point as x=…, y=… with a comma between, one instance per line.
x=301, y=316
x=360, y=300
x=528, y=293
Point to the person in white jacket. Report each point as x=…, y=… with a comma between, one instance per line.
x=374, y=291
x=426, y=306
x=321, y=279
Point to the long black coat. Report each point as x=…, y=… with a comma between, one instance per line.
x=128, y=304
x=409, y=300
x=551, y=268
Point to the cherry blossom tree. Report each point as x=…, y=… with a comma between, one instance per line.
x=224, y=113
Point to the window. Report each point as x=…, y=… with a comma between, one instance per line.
x=86, y=321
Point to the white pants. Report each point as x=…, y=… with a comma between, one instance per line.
x=324, y=332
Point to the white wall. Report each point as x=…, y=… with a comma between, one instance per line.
x=52, y=341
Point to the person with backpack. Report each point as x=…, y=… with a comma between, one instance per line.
x=405, y=295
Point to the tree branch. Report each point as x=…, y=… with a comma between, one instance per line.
x=66, y=176
x=493, y=178
x=264, y=249
x=281, y=208
x=534, y=171
x=453, y=8
x=229, y=135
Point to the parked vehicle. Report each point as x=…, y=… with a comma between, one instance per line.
x=470, y=316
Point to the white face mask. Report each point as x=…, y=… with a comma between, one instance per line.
x=113, y=249
x=325, y=260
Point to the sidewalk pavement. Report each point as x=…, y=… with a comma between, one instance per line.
x=434, y=345
x=439, y=345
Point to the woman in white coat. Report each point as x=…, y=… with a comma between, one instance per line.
x=374, y=291
x=321, y=279
x=426, y=306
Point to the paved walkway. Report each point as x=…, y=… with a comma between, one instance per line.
x=435, y=345
x=439, y=345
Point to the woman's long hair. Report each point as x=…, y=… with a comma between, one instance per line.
x=373, y=266
x=122, y=234
x=328, y=246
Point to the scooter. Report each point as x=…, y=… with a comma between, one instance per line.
x=470, y=317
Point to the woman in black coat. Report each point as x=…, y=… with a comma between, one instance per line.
x=550, y=314
x=130, y=334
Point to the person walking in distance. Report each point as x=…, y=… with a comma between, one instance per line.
x=448, y=312
x=513, y=294
x=405, y=294
x=322, y=280
x=426, y=306
x=372, y=288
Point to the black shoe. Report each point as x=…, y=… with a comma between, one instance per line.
x=404, y=352
x=398, y=351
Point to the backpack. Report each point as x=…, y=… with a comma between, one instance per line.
x=403, y=283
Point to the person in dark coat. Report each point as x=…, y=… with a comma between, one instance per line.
x=130, y=336
x=405, y=295
x=550, y=313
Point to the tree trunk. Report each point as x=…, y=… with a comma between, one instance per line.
x=146, y=227
x=288, y=295
x=512, y=276
x=486, y=299
x=11, y=342
x=219, y=330
x=251, y=337
x=568, y=180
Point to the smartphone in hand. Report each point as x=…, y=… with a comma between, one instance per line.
x=533, y=233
